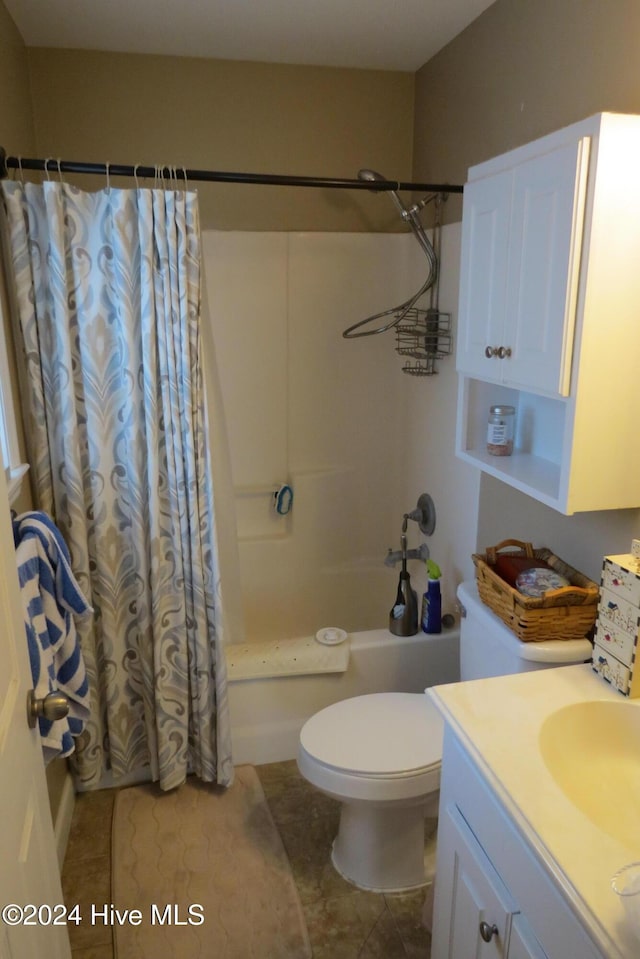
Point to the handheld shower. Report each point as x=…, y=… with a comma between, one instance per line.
x=373, y=176
x=412, y=218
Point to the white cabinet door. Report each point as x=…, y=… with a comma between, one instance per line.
x=522, y=942
x=521, y=243
x=483, y=274
x=547, y=219
x=472, y=905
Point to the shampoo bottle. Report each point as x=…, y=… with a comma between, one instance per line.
x=431, y=601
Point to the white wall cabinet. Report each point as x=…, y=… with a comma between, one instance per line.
x=548, y=315
x=493, y=899
x=522, y=236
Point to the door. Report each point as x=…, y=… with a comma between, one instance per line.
x=483, y=275
x=473, y=909
x=29, y=871
x=545, y=244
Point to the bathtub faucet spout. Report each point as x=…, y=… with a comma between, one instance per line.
x=395, y=555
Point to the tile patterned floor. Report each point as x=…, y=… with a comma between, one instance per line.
x=343, y=922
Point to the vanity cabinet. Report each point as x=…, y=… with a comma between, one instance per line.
x=548, y=314
x=493, y=898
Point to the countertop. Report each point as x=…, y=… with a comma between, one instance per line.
x=498, y=721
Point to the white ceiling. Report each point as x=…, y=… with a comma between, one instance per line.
x=372, y=34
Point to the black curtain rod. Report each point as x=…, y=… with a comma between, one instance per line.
x=55, y=166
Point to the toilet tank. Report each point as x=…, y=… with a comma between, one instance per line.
x=489, y=648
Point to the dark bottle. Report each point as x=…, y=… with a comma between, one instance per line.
x=403, y=618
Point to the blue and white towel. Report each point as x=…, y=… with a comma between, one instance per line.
x=50, y=599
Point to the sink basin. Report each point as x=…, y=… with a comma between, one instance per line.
x=592, y=750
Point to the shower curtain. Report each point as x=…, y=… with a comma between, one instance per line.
x=107, y=289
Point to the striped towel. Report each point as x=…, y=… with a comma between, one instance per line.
x=50, y=599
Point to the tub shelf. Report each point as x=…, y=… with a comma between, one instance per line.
x=285, y=657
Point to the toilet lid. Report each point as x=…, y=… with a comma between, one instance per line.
x=382, y=734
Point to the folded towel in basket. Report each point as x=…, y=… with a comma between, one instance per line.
x=50, y=599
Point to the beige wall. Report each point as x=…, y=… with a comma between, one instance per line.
x=523, y=69
x=237, y=116
x=16, y=120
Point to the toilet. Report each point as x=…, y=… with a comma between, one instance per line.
x=380, y=754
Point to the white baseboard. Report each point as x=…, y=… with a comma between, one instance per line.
x=62, y=825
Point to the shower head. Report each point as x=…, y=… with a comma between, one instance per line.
x=410, y=216
x=372, y=176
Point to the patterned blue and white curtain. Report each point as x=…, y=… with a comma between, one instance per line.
x=108, y=290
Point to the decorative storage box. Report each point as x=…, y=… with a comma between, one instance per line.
x=621, y=677
x=567, y=613
x=618, y=624
x=621, y=575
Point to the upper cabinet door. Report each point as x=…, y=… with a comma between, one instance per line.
x=483, y=274
x=521, y=244
x=545, y=243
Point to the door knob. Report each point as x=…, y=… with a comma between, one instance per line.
x=488, y=932
x=490, y=351
x=504, y=351
x=52, y=706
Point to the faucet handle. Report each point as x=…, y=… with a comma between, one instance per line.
x=424, y=514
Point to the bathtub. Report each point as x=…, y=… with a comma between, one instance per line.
x=267, y=714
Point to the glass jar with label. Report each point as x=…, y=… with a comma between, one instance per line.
x=500, y=430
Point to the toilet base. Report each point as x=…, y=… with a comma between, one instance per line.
x=381, y=848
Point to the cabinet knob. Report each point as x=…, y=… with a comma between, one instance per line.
x=504, y=351
x=488, y=932
x=491, y=351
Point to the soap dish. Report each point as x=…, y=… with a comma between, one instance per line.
x=331, y=636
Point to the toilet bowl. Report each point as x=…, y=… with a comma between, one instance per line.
x=380, y=754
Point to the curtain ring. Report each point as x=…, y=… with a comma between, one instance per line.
x=21, y=170
x=186, y=181
x=135, y=175
x=108, y=179
x=46, y=167
x=59, y=171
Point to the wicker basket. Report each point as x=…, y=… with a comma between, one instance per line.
x=567, y=613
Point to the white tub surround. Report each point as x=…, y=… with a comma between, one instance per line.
x=552, y=861
x=303, y=408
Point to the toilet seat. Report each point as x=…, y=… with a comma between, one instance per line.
x=381, y=747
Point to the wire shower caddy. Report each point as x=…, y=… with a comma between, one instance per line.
x=424, y=336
